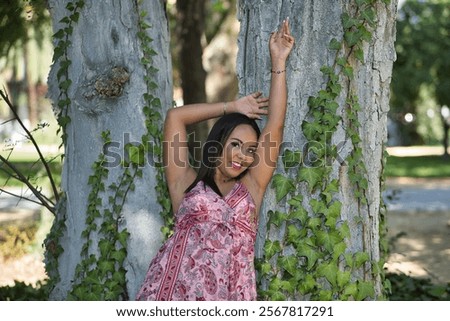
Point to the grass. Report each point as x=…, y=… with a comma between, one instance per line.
x=27, y=161
x=433, y=166
x=34, y=171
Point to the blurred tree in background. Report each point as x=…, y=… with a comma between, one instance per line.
x=196, y=25
x=25, y=38
x=421, y=75
x=17, y=17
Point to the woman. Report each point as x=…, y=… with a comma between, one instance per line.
x=210, y=255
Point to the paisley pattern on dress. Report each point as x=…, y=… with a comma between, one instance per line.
x=210, y=255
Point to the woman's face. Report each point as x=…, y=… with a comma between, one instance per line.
x=238, y=152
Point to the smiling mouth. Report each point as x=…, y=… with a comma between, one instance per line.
x=236, y=165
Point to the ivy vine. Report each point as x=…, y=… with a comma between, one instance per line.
x=101, y=274
x=61, y=57
x=312, y=259
x=152, y=140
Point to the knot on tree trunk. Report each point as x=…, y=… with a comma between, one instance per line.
x=101, y=90
x=111, y=84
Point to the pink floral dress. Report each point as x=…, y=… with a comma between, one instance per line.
x=210, y=255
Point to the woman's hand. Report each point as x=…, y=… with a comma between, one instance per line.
x=281, y=43
x=252, y=106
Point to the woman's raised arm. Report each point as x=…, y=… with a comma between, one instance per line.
x=280, y=44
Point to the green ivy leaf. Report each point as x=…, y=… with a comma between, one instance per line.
x=314, y=223
x=283, y=186
x=349, y=259
x=352, y=38
x=325, y=295
x=348, y=71
x=106, y=266
x=136, y=154
x=351, y=290
x=334, y=210
x=122, y=237
x=361, y=258
x=300, y=214
x=291, y=159
x=119, y=276
x=334, y=44
x=343, y=278
x=317, y=206
x=276, y=218
x=271, y=248
x=313, y=102
x=275, y=284
x=266, y=268
x=288, y=286
x=313, y=176
x=339, y=249
x=278, y=296
x=311, y=130
x=328, y=239
x=75, y=17
x=341, y=61
x=359, y=54
x=105, y=247
x=293, y=234
x=329, y=271
x=119, y=255
x=307, y=285
x=296, y=201
x=312, y=254
x=289, y=264
x=366, y=290
x=347, y=21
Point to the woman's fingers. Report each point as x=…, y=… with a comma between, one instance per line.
x=256, y=94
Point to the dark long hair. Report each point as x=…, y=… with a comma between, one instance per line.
x=213, y=147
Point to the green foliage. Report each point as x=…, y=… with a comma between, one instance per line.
x=18, y=17
x=21, y=291
x=422, y=46
x=312, y=258
x=31, y=169
x=152, y=140
x=61, y=57
x=101, y=274
x=433, y=166
x=407, y=288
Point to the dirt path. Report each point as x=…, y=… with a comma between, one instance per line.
x=423, y=250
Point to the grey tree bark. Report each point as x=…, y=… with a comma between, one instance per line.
x=105, y=41
x=314, y=24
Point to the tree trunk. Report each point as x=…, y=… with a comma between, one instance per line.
x=336, y=252
x=32, y=98
x=190, y=30
x=106, y=94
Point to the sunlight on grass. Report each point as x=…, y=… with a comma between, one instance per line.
x=433, y=166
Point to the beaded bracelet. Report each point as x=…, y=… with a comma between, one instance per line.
x=277, y=71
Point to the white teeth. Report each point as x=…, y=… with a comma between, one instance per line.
x=237, y=165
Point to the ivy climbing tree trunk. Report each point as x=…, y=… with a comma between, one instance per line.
x=322, y=223
x=110, y=84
